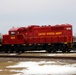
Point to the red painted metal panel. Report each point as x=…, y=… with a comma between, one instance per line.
x=48, y=40
x=30, y=40
x=36, y=40
x=40, y=34
x=55, y=39
x=42, y=40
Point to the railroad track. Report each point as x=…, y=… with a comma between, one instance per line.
x=40, y=52
x=49, y=53
x=39, y=56
x=29, y=55
x=30, y=52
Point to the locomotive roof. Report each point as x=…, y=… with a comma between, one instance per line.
x=16, y=29
x=32, y=26
x=13, y=29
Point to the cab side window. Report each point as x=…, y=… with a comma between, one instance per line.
x=12, y=33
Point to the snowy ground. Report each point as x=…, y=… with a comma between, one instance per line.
x=40, y=67
x=45, y=68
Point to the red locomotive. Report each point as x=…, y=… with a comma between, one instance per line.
x=49, y=38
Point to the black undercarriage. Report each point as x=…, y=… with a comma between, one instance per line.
x=49, y=47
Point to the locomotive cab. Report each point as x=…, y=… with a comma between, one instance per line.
x=16, y=36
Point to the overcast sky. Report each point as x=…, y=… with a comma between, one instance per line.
x=39, y=12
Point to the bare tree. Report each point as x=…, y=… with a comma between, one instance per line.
x=0, y=35
x=74, y=38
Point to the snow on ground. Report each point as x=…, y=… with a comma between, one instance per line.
x=12, y=54
x=68, y=55
x=45, y=68
x=1, y=70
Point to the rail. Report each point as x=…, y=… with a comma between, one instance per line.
x=53, y=56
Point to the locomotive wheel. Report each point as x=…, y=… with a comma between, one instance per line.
x=54, y=49
x=64, y=50
x=23, y=51
x=11, y=51
x=17, y=51
x=48, y=49
x=6, y=51
x=68, y=50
